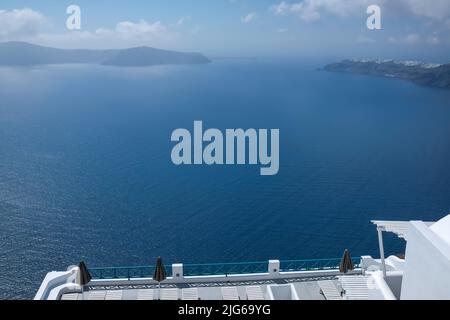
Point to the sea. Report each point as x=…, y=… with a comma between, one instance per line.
x=86, y=171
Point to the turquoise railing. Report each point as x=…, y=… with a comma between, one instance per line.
x=218, y=269
x=225, y=268
x=123, y=272
x=314, y=264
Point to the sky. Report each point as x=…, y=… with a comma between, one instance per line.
x=411, y=29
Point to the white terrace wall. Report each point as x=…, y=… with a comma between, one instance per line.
x=427, y=265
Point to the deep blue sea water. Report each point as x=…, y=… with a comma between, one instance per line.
x=85, y=169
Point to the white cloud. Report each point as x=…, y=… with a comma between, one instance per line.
x=433, y=40
x=124, y=34
x=183, y=20
x=306, y=11
x=27, y=24
x=282, y=30
x=20, y=23
x=135, y=30
x=436, y=9
x=281, y=8
x=194, y=31
x=410, y=39
x=141, y=29
x=311, y=10
x=249, y=17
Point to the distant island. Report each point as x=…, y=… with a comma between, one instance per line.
x=25, y=54
x=427, y=74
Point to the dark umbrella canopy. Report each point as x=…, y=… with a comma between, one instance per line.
x=346, y=262
x=160, y=271
x=85, y=276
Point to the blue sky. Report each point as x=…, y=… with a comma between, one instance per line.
x=410, y=28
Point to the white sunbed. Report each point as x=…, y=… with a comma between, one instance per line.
x=114, y=295
x=329, y=290
x=189, y=294
x=254, y=293
x=168, y=294
x=70, y=296
x=355, y=287
x=96, y=295
x=145, y=294
x=230, y=293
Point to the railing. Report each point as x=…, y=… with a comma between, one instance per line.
x=225, y=268
x=123, y=272
x=219, y=269
x=314, y=264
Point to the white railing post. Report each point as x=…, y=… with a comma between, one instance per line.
x=274, y=267
x=380, y=242
x=177, y=271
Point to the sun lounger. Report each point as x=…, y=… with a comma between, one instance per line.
x=329, y=290
x=355, y=287
x=189, y=294
x=169, y=294
x=145, y=294
x=254, y=293
x=114, y=295
x=230, y=293
x=96, y=295
x=70, y=296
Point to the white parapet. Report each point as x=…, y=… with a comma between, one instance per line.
x=427, y=266
x=378, y=288
x=274, y=267
x=393, y=263
x=56, y=284
x=177, y=271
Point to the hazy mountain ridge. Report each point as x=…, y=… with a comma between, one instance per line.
x=427, y=74
x=151, y=56
x=22, y=54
